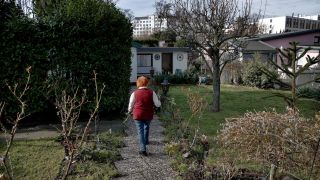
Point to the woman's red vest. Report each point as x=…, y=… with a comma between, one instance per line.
x=143, y=105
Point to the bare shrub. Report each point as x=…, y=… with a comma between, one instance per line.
x=287, y=141
x=187, y=145
x=69, y=109
x=19, y=93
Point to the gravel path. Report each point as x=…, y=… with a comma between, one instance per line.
x=137, y=167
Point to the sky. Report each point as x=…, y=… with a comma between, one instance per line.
x=272, y=7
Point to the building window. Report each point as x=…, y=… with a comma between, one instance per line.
x=295, y=23
x=308, y=24
x=289, y=21
x=314, y=25
x=302, y=22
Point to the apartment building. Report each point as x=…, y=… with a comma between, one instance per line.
x=147, y=25
x=289, y=23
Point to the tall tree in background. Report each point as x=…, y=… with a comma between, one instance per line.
x=211, y=27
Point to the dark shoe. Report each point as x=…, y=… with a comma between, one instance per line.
x=143, y=153
x=147, y=143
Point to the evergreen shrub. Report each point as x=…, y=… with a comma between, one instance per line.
x=64, y=44
x=252, y=75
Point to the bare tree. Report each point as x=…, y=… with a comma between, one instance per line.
x=211, y=27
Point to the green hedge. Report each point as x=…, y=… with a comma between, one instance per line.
x=66, y=45
x=19, y=49
x=87, y=35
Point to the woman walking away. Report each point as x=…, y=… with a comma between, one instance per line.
x=141, y=105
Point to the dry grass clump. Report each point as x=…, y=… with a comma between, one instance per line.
x=288, y=142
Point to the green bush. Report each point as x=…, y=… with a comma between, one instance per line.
x=309, y=92
x=186, y=77
x=252, y=75
x=101, y=156
x=105, y=150
x=88, y=35
x=108, y=140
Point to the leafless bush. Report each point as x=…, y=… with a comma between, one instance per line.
x=288, y=142
x=187, y=144
x=19, y=94
x=69, y=108
x=196, y=104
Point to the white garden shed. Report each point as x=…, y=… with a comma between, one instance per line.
x=170, y=60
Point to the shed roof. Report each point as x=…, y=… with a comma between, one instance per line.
x=163, y=49
x=135, y=44
x=284, y=35
x=258, y=46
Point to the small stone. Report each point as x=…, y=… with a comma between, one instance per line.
x=186, y=155
x=1, y=160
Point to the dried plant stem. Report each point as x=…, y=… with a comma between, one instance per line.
x=66, y=173
x=314, y=157
x=20, y=115
x=196, y=104
x=273, y=138
x=272, y=173
x=97, y=104
x=69, y=112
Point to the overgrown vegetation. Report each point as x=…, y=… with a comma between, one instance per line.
x=186, y=144
x=287, y=143
x=206, y=159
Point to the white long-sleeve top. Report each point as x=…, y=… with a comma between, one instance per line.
x=155, y=98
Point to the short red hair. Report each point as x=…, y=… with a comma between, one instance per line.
x=142, y=81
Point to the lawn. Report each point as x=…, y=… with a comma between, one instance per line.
x=235, y=101
x=40, y=159
x=35, y=159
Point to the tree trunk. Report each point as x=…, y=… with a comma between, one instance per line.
x=216, y=82
x=294, y=96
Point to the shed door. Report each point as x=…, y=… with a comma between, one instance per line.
x=167, y=63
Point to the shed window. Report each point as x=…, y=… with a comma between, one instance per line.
x=144, y=60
